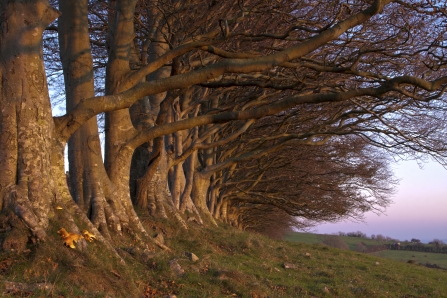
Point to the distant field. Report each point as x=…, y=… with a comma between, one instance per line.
x=398, y=255
x=310, y=238
x=352, y=241
x=418, y=257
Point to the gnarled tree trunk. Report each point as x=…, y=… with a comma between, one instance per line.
x=89, y=183
x=32, y=179
x=28, y=141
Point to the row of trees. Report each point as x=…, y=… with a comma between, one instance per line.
x=437, y=246
x=360, y=234
x=432, y=247
x=262, y=114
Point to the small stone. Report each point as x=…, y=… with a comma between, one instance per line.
x=191, y=256
x=134, y=251
x=289, y=265
x=178, y=270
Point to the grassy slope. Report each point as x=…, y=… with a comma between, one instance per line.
x=352, y=241
x=316, y=238
x=231, y=264
x=399, y=255
x=416, y=256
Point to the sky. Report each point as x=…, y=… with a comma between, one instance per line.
x=419, y=209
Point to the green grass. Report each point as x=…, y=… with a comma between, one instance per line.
x=353, y=241
x=248, y=265
x=418, y=257
x=231, y=263
x=310, y=238
x=398, y=255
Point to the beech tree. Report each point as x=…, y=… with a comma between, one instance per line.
x=320, y=183
x=190, y=89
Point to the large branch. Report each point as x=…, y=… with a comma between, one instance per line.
x=88, y=108
x=134, y=77
x=199, y=144
x=261, y=151
x=256, y=113
x=272, y=109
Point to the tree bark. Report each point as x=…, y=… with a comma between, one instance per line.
x=199, y=195
x=28, y=142
x=153, y=191
x=89, y=183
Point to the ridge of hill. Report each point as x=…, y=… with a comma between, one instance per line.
x=230, y=263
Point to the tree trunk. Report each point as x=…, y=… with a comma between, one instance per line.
x=27, y=184
x=33, y=184
x=199, y=194
x=178, y=176
x=89, y=183
x=118, y=125
x=186, y=203
x=153, y=191
x=151, y=171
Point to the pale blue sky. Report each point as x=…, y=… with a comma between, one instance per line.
x=419, y=209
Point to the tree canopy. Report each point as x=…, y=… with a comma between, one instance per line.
x=255, y=113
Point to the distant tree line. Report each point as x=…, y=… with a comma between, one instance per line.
x=436, y=246
x=360, y=234
x=353, y=234
x=337, y=241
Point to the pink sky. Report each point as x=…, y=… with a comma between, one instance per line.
x=419, y=209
